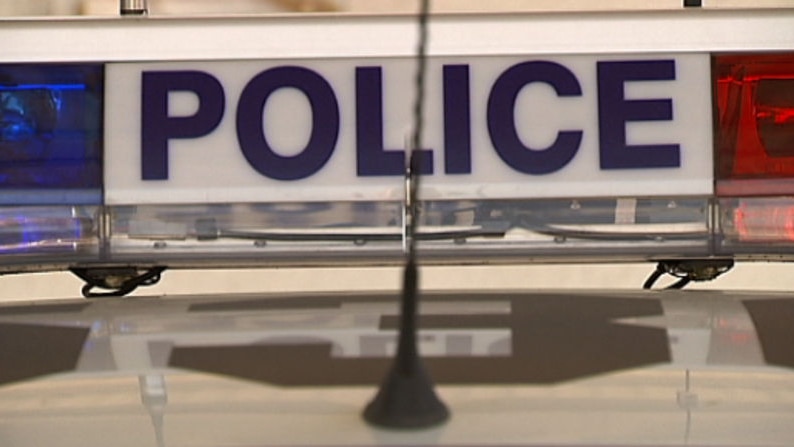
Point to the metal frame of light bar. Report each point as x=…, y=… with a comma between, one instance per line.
x=338, y=35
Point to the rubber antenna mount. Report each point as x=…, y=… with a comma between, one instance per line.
x=407, y=398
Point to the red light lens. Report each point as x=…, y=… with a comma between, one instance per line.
x=755, y=129
x=766, y=221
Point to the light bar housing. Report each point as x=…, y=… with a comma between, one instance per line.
x=55, y=98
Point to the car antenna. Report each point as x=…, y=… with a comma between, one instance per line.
x=406, y=398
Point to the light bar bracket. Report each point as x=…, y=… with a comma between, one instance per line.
x=120, y=281
x=688, y=271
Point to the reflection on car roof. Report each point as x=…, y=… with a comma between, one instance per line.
x=541, y=368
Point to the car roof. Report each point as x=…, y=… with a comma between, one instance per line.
x=575, y=368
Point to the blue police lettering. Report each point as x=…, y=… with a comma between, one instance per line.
x=157, y=127
x=325, y=123
x=615, y=111
x=373, y=158
x=501, y=118
x=457, y=120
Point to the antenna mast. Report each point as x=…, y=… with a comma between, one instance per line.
x=407, y=398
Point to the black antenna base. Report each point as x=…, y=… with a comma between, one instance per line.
x=406, y=400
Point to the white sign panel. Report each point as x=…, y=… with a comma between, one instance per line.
x=336, y=129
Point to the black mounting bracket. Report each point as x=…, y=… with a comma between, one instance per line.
x=119, y=281
x=689, y=270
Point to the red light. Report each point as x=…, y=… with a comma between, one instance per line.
x=764, y=222
x=755, y=129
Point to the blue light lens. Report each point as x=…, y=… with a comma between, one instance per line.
x=51, y=134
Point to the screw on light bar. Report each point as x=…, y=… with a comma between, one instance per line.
x=755, y=124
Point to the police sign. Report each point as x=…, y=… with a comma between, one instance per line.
x=335, y=129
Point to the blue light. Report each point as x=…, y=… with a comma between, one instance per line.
x=51, y=133
x=14, y=127
x=61, y=87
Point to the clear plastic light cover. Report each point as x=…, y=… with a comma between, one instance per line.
x=450, y=231
x=44, y=234
x=50, y=161
x=757, y=226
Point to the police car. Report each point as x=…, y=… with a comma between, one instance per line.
x=134, y=145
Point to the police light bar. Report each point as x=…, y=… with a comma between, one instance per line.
x=200, y=142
